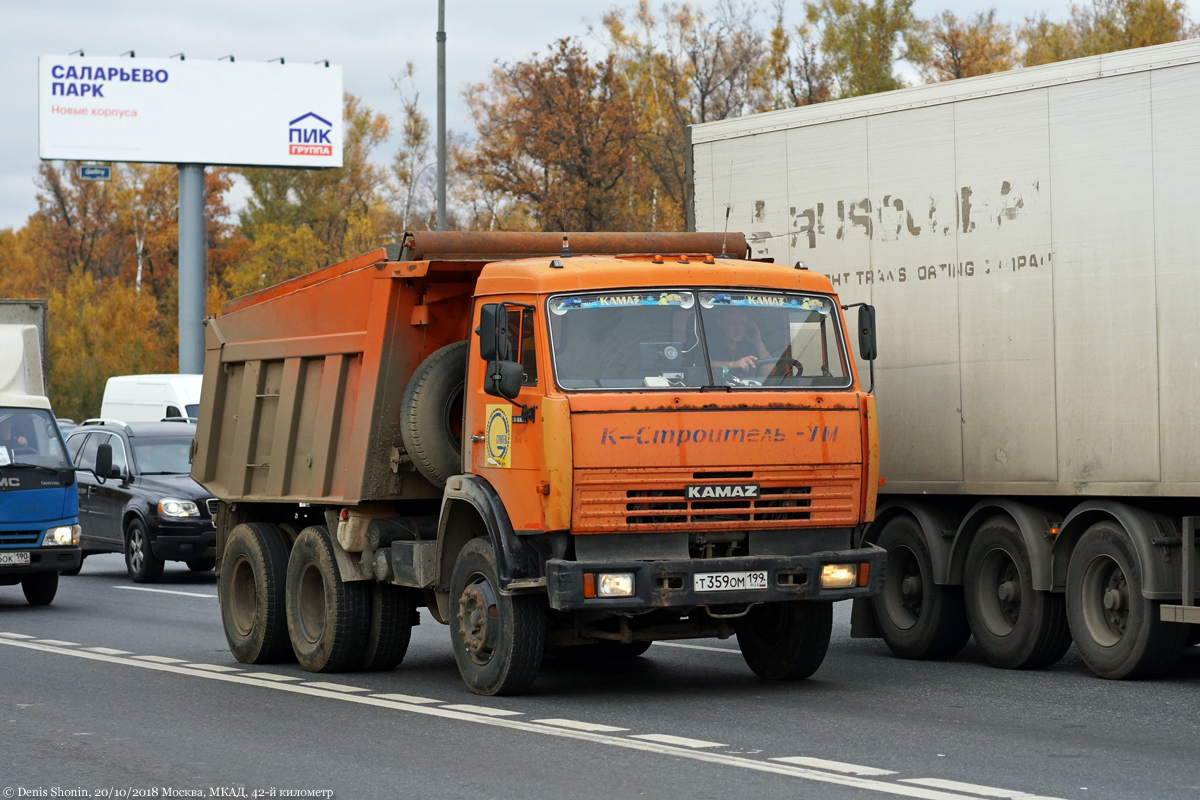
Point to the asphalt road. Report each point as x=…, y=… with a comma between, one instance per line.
x=116, y=689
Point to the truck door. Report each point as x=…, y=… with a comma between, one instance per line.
x=505, y=438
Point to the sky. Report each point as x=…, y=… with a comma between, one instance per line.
x=371, y=39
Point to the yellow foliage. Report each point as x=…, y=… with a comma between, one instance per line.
x=279, y=252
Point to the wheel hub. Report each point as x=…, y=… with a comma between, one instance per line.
x=478, y=620
x=911, y=586
x=1009, y=590
x=1113, y=601
x=1104, y=600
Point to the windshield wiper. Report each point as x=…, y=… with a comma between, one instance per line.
x=35, y=466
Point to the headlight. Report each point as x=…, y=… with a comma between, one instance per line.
x=839, y=576
x=177, y=509
x=62, y=535
x=614, y=584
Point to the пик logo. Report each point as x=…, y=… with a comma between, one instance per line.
x=310, y=141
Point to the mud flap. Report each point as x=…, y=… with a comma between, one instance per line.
x=862, y=621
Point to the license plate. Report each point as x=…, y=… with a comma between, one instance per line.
x=728, y=581
x=9, y=559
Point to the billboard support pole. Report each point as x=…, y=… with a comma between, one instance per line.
x=441, y=116
x=192, y=268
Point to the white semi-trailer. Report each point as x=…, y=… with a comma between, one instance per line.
x=1030, y=241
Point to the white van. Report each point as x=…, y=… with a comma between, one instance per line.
x=150, y=398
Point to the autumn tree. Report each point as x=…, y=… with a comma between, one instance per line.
x=966, y=48
x=795, y=72
x=1105, y=26
x=556, y=134
x=414, y=167
x=325, y=200
x=863, y=39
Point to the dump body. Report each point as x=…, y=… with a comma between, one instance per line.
x=1028, y=240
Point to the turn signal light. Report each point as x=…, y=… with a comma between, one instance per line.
x=864, y=574
x=839, y=576
x=589, y=585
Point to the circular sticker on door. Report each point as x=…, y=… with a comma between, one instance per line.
x=498, y=433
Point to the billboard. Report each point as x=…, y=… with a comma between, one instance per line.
x=189, y=112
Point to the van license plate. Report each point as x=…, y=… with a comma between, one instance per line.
x=9, y=559
x=728, y=581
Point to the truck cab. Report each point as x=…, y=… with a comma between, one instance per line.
x=622, y=448
x=39, y=508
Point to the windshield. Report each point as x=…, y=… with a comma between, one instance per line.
x=30, y=436
x=672, y=338
x=162, y=456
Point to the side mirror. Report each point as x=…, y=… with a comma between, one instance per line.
x=104, y=461
x=493, y=332
x=503, y=379
x=867, y=349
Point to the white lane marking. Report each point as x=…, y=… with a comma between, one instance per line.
x=491, y=712
x=16, y=635
x=214, y=667
x=271, y=676
x=407, y=698
x=973, y=788
x=699, y=647
x=627, y=743
x=576, y=725
x=108, y=651
x=58, y=642
x=334, y=687
x=678, y=741
x=162, y=591
x=834, y=766
x=161, y=659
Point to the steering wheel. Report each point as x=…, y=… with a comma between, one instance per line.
x=787, y=363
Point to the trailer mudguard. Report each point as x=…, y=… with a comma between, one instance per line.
x=1156, y=539
x=936, y=524
x=1034, y=524
x=471, y=508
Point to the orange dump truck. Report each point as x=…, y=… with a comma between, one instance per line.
x=557, y=447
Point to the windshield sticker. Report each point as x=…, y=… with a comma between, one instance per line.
x=561, y=305
x=787, y=301
x=499, y=435
x=4, y=457
x=679, y=437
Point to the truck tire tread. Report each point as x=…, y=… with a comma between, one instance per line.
x=424, y=405
x=255, y=552
x=326, y=616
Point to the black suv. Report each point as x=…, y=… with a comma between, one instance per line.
x=150, y=509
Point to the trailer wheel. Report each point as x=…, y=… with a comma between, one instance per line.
x=251, y=592
x=498, y=639
x=40, y=588
x=918, y=618
x=1118, y=631
x=432, y=413
x=1015, y=626
x=392, y=609
x=326, y=616
x=785, y=641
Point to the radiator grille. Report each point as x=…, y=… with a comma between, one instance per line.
x=213, y=504
x=790, y=497
x=19, y=538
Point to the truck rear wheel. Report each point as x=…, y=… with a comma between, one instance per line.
x=251, y=592
x=1015, y=626
x=917, y=618
x=1118, y=631
x=785, y=641
x=498, y=639
x=432, y=413
x=326, y=616
x=392, y=609
x=40, y=588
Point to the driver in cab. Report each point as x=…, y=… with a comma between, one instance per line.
x=735, y=345
x=10, y=437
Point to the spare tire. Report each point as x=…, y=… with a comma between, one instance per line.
x=432, y=414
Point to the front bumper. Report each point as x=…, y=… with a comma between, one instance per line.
x=43, y=559
x=185, y=541
x=670, y=584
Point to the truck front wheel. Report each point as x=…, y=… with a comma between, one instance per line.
x=251, y=591
x=918, y=618
x=1015, y=626
x=326, y=616
x=40, y=588
x=498, y=639
x=785, y=641
x=1118, y=631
